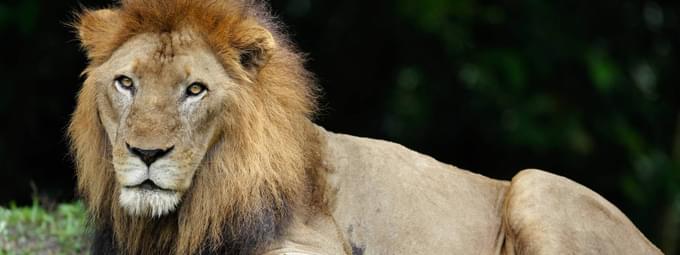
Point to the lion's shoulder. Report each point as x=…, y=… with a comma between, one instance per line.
x=384, y=192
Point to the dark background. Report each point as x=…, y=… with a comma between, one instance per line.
x=585, y=89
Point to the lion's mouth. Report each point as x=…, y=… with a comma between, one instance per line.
x=148, y=184
x=148, y=198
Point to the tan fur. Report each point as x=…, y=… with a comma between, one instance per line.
x=257, y=160
x=249, y=173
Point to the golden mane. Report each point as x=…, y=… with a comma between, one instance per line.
x=259, y=170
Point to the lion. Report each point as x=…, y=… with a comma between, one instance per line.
x=193, y=134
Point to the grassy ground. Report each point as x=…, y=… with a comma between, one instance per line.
x=35, y=230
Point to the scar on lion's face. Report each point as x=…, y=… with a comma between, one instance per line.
x=158, y=95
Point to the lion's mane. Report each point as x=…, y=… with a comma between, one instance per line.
x=259, y=169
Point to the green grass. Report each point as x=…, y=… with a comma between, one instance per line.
x=35, y=230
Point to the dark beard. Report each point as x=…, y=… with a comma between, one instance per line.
x=239, y=238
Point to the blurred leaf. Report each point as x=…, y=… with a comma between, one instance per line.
x=603, y=72
x=634, y=191
x=513, y=69
x=627, y=136
x=494, y=15
x=578, y=138
x=444, y=18
x=409, y=106
x=435, y=15
x=645, y=79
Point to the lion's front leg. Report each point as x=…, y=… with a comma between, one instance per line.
x=315, y=234
x=550, y=214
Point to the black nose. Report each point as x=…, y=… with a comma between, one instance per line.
x=149, y=156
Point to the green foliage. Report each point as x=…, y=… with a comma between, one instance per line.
x=34, y=230
x=603, y=72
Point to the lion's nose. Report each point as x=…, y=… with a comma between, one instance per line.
x=149, y=156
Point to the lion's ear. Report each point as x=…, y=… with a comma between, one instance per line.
x=255, y=45
x=97, y=30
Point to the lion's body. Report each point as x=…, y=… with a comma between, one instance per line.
x=193, y=134
x=386, y=199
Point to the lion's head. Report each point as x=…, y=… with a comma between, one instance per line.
x=192, y=126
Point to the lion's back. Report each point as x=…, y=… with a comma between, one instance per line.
x=388, y=199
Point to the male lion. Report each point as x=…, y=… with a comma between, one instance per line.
x=192, y=135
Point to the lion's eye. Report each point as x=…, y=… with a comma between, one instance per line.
x=196, y=89
x=125, y=82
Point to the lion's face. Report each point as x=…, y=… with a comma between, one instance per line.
x=199, y=108
x=159, y=96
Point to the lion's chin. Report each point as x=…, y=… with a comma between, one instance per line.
x=145, y=202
